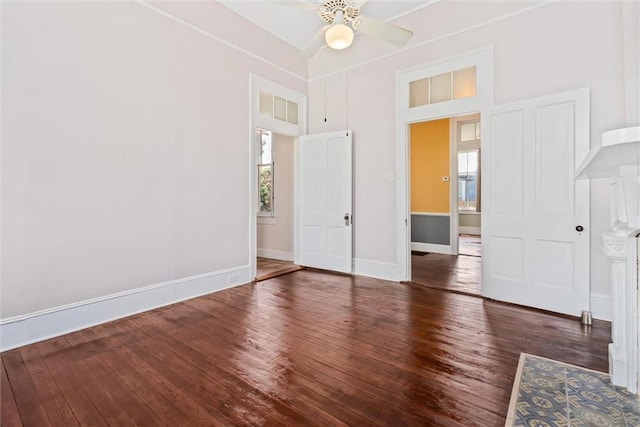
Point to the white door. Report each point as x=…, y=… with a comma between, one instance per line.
x=534, y=253
x=323, y=201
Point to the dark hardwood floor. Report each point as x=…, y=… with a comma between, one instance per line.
x=307, y=348
x=457, y=273
x=470, y=245
x=269, y=268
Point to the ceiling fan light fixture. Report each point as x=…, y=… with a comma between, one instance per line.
x=339, y=36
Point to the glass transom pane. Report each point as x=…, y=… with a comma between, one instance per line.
x=419, y=93
x=441, y=88
x=464, y=83
x=279, y=108
x=468, y=132
x=292, y=112
x=266, y=104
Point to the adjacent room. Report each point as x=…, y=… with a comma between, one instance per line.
x=319, y=213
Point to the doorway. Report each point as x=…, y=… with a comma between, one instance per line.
x=450, y=87
x=445, y=204
x=279, y=113
x=466, y=132
x=274, y=219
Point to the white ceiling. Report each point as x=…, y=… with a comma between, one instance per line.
x=297, y=27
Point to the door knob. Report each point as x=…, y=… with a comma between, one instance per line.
x=347, y=217
x=579, y=228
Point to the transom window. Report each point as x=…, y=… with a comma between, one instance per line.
x=278, y=108
x=448, y=86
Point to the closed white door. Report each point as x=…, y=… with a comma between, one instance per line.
x=323, y=201
x=535, y=219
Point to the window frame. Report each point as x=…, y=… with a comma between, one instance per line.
x=467, y=147
x=259, y=212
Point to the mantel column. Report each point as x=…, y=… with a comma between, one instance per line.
x=623, y=355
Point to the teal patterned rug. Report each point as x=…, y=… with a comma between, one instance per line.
x=547, y=393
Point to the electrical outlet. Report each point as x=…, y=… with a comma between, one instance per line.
x=232, y=278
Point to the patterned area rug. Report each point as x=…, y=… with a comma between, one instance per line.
x=547, y=393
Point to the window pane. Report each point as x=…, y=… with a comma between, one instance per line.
x=265, y=148
x=279, y=108
x=441, y=88
x=464, y=83
x=419, y=93
x=266, y=104
x=292, y=112
x=468, y=131
x=265, y=188
x=468, y=180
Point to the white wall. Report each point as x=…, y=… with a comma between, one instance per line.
x=125, y=159
x=538, y=50
x=470, y=219
x=125, y=131
x=275, y=234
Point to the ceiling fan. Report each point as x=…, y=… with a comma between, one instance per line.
x=338, y=35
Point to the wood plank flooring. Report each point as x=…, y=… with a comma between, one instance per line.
x=308, y=348
x=269, y=268
x=469, y=244
x=456, y=273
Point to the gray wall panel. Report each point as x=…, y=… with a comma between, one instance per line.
x=432, y=229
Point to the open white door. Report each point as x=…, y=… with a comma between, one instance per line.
x=323, y=201
x=535, y=219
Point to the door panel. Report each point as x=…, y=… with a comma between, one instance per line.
x=554, y=161
x=507, y=156
x=324, y=196
x=535, y=256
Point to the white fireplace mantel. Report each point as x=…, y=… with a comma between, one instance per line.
x=618, y=158
x=618, y=147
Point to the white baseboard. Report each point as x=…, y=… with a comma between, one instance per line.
x=602, y=306
x=273, y=254
x=377, y=269
x=469, y=230
x=33, y=327
x=430, y=247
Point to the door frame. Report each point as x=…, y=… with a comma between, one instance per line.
x=258, y=84
x=482, y=59
x=455, y=150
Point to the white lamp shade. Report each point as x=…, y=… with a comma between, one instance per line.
x=339, y=36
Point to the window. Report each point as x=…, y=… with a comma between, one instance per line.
x=265, y=173
x=468, y=180
x=469, y=166
x=449, y=86
x=278, y=108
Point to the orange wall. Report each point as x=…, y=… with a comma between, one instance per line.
x=429, y=163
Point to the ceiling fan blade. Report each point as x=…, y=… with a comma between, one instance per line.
x=315, y=44
x=311, y=7
x=381, y=30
